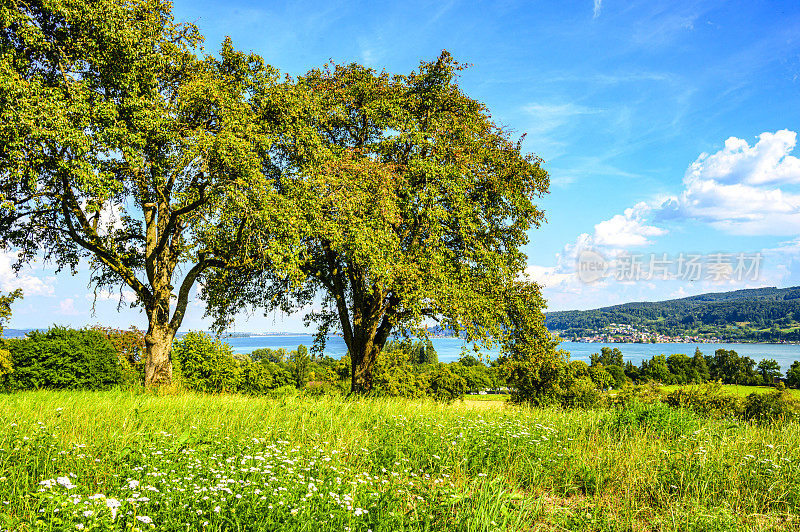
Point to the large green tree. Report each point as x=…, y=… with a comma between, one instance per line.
x=410, y=205
x=121, y=143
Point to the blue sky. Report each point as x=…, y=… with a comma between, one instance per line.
x=666, y=127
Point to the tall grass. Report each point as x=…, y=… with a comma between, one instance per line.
x=412, y=465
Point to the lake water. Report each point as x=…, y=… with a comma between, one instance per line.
x=450, y=349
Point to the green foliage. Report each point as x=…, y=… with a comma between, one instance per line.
x=207, y=364
x=446, y=385
x=607, y=357
x=64, y=359
x=579, y=392
x=6, y=364
x=656, y=369
x=601, y=378
x=793, y=375
x=708, y=399
x=408, y=203
x=299, y=362
x=256, y=378
x=5, y=303
x=730, y=368
x=769, y=369
x=618, y=374
x=769, y=407
x=266, y=354
x=127, y=146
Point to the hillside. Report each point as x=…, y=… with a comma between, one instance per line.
x=754, y=315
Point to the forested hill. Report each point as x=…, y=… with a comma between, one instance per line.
x=761, y=314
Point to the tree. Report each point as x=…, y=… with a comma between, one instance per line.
x=5, y=314
x=793, y=375
x=414, y=207
x=120, y=143
x=700, y=367
x=768, y=369
x=607, y=357
x=5, y=306
x=300, y=362
x=530, y=363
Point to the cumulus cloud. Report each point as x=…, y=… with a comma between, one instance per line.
x=30, y=284
x=626, y=230
x=743, y=189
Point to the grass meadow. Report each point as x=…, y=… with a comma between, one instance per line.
x=127, y=461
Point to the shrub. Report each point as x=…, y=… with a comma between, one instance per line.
x=256, y=379
x=63, y=359
x=579, y=392
x=445, y=385
x=319, y=388
x=537, y=380
x=399, y=381
x=645, y=393
x=768, y=407
x=708, y=399
x=6, y=367
x=299, y=366
x=206, y=364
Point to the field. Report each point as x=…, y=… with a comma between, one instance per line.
x=739, y=390
x=125, y=461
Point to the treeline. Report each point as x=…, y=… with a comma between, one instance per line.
x=100, y=358
x=725, y=366
x=765, y=314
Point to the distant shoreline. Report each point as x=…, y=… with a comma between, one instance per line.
x=692, y=342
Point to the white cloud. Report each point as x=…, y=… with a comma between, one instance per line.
x=626, y=230
x=597, y=5
x=743, y=189
x=30, y=284
x=767, y=161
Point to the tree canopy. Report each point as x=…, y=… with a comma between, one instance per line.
x=410, y=205
x=121, y=143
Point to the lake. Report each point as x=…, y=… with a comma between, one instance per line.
x=450, y=349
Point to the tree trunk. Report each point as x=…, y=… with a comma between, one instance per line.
x=158, y=346
x=362, y=362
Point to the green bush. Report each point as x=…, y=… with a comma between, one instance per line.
x=644, y=393
x=399, y=381
x=793, y=375
x=206, y=364
x=319, y=389
x=445, y=385
x=708, y=399
x=63, y=359
x=579, y=392
x=256, y=379
x=769, y=407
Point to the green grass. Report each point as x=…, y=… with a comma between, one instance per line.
x=741, y=391
x=496, y=397
x=194, y=462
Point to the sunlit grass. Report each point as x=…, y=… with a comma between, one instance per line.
x=739, y=390
x=194, y=462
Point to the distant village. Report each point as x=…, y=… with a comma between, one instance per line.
x=621, y=333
